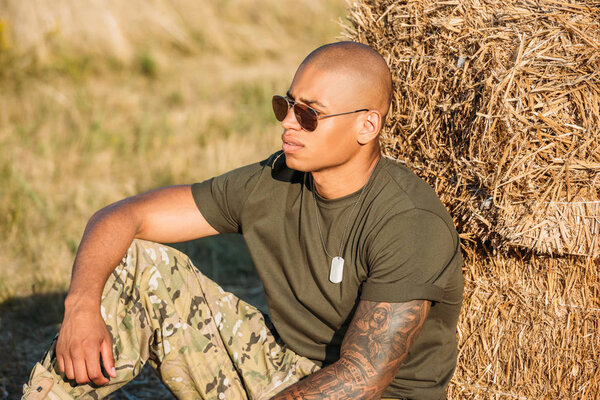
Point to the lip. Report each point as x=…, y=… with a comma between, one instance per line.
x=290, y=144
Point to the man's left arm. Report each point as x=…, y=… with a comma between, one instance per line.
x=376, y=343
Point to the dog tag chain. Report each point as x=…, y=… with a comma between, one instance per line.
x=336, y=270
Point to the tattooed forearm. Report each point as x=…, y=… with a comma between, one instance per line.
x=377, y=341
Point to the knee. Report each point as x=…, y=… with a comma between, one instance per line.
x=150, y=262
x=142, y=260
x=144, y=253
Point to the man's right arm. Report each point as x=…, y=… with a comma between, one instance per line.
x=165, y=215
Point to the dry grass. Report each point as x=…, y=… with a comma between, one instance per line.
x=79, y=132
x=175, y=93
x=242, y=30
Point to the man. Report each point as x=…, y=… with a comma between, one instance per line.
x=360, y=262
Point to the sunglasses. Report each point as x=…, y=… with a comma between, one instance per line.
x=306, y=116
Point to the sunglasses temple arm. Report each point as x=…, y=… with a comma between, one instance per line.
x=344, y=113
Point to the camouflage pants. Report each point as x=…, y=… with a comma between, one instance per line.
x=202, y=341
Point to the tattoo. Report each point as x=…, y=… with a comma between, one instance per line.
x=376, y=343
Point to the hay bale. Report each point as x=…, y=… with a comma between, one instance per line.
x=529, y=328
x=497, y=106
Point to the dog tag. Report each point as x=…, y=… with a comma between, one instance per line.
x=337, y=270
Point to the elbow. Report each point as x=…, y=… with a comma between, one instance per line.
x=121, y=214
x=369, y=381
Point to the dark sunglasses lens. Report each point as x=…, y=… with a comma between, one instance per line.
x=280, y=107
x=306, y=117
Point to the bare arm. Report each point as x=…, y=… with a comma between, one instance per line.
x=376, y=343
x=164, y=215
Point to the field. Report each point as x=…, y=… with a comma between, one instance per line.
x=85, y=122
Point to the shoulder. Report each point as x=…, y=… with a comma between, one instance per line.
x=408, y=186
x=408, y=208
x=266, y=168
x=259, y=179
x=238, y=180
x=411, y=242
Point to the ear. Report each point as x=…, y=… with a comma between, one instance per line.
x=371, y=125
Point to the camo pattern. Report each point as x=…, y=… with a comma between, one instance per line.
x=203, y=342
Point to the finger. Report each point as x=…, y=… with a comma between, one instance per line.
x=93, y=371
x=107, y=358
x=80, y=370
x=69, y=369
x=61, y=363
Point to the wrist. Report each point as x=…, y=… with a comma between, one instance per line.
x=82, y=302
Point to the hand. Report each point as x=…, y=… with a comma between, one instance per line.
x=84, y=340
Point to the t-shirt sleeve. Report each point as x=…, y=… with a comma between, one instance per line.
x=221, y=199
x=408, y=258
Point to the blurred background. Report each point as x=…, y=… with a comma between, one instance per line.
x=104, y=99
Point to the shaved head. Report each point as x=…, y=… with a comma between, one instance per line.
x=370, y=76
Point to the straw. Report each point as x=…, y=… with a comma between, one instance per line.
x=529, y=328
x=497, y=106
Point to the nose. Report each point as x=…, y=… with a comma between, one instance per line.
x=290, y=121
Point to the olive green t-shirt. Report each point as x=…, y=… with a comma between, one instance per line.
x=400, y=245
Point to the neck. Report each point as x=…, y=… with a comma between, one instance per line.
x=342, y=181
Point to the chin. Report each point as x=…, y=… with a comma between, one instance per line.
x=293, y=163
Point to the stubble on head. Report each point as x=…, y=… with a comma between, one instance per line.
x=370, y=74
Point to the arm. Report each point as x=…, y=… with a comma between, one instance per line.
x=376, y=343
x=164, y=215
